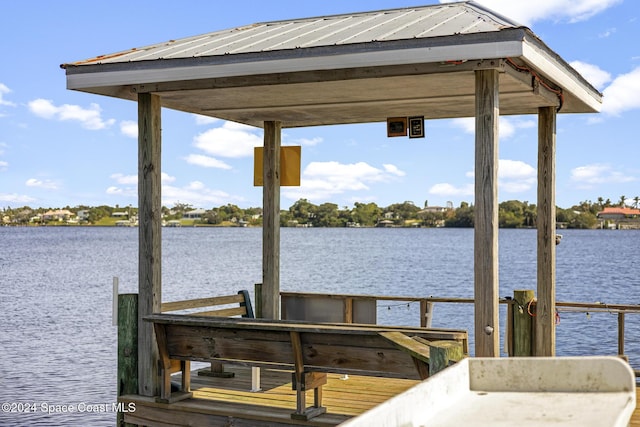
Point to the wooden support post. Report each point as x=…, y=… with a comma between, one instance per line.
x=216, y=370
x=257, y=293
x=621, y=333
x=255, y=371
x=149, y=231
x=442, y=354
x=127, y=348
x=303, y=381
x=523, y=324
x=426, y=313
x=271, y=221
x=348, y=310
x=546, y=220
x=487, y=337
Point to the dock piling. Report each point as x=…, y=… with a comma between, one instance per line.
x=523, y=324
x=127, y=348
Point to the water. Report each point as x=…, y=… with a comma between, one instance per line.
x=58, y=345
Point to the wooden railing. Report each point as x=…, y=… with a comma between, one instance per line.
x=519, y=335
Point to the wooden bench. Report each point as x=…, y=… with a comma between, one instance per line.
x=310, y=350
x=221, y=306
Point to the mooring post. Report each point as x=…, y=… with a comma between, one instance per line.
x=523, y=323
x=127, y=348
x=444, y=353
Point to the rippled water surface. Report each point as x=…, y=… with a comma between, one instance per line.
x=58, y=345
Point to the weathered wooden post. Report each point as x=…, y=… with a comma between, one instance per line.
x=487, y=336
x=546, y=222
x=149, y=239
x=444, y=353
x=127, y=348
x=426, y=313
x=523, y=325
x=621, y=333
x=257, y=295
x=271, y=221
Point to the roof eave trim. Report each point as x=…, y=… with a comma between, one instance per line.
x=488, y=50
x=564, y=77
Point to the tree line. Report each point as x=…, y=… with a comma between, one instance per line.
x=303, y=213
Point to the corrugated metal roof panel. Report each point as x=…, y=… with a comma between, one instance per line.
x=386, y=25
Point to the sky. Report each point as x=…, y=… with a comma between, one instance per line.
x=63, y=148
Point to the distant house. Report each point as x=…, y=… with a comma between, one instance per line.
x=619, y=213
x=434, y=209
x=120, y=214
x=83, y=215
x=194, y=214
x=57, y=215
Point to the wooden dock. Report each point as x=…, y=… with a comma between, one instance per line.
x=230, y=401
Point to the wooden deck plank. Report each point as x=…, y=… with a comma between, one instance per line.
x=351, y=396
x=635, y=418
x=217, y=398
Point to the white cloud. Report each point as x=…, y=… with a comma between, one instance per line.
x=594, y=74
x=514, y=176
x=448, y=190
x=239, y=126
x=16, y=198
x=133, y=179
x=129, y=128
x=393, y=169
x=622, y=94
x=507, y=126
x=3, y=164
x=46, y=184
x=165, y=178
x=527, y=12
x=607, y=33
x=125, y=179
x=305, y=141
x=206, y=161
x=196, y=194
x=321, y=180
x=591, y=175
x=90, y=118
x=3, y=91
x=204, y=120
x=515, y=169
x=231, y=140
x=121, y=191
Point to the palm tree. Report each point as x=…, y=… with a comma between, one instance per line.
x=636, y=201
x=622, y=200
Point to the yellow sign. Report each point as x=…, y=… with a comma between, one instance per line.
x=289, y=166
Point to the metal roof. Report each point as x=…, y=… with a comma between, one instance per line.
x=338, y=30
x=350, y=68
